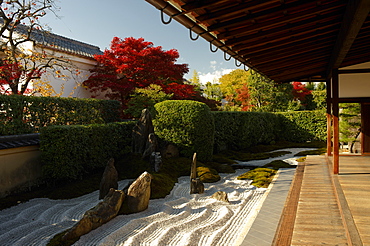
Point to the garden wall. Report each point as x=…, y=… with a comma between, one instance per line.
x=20, y=168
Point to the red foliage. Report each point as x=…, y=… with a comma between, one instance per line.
x=244, y=98
x=300, y=91
x=134, y=63
x=12, y=73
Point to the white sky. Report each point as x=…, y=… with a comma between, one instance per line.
x=97, y=22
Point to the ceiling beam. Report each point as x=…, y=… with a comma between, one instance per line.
x=355, y=15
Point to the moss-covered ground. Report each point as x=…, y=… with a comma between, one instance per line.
x=132, y=166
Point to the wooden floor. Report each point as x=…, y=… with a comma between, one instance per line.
x=326, y=209
x=354, y=178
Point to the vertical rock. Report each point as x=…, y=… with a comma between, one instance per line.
x=196, y=186
x=141, y=132
x=138, y=195
x=109, y=179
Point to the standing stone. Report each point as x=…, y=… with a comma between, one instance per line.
x=109, y=179
x=141, y=131
x=151, y=145
x=196, y=186
x=98, y=215
x=138, y=195
x=221, y=196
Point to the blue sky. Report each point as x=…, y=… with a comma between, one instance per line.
x=96, y=22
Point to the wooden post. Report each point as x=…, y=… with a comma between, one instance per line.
x=328, y=118
x=335, y=102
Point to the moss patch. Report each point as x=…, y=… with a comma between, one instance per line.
x=221, y=168
x=261, y=177
x=301, y=159
x=243, y=156
x=208, y=175
x=279, y=164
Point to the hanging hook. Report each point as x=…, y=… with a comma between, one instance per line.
x=162, y=16
x=210, y=47
x=226, y=59
x=191, y=36
x=245, y=69
x=236, y=63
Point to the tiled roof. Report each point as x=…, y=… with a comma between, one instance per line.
x=61, y=43
x=65, y=44
x=15, y=141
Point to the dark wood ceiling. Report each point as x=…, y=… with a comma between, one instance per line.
x=285, y=40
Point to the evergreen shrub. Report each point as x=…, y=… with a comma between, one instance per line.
x=302, y=126
x=188, y=124
x=70, y=151
x=27, y=114
x=241, y=130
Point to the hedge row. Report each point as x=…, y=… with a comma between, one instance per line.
x=70, y=151
x=188, y=124
x=239, y=130
x=28, y=114
x=301, y=126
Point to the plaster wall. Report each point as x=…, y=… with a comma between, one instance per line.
x=355, y=85
x=20, y=168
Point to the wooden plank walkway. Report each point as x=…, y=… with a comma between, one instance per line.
x=312, y=214
x=354, y=179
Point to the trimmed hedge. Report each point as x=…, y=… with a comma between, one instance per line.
x=241, y=130
x=70, y=151
x=27, y=114
x=302, y=126
x=188, y=124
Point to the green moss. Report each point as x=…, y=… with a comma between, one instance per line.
x=221, y=168
x=219, y=158
x=279, y=164
x=161, y=185
x=208, y=175
x=301, y=159
x=261, y=177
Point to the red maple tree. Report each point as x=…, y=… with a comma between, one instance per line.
x=135, y=63
x=244, y=98
x=300, y=91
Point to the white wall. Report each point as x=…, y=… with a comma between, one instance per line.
x=355, y=85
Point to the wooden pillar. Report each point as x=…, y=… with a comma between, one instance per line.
x=335, y=103
x=328, y=118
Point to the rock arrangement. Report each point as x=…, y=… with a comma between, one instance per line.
x=98, y=215
x=196, y=186
x=114, y=203
x=109, y=179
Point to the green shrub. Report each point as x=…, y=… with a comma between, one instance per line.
x=188, y=124
x=26, y=114
x=302, y=126
x=240, y=130
x=70, y=151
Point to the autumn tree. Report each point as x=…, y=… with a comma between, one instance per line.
x=232, y=81
x=22, y=61
x=132, y=63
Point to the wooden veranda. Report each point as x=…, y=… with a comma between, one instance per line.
x=290, y=40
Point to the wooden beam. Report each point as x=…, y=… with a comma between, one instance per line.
x=335, y=104
x=328, y=119
x=246, y=26
x=354, y=17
